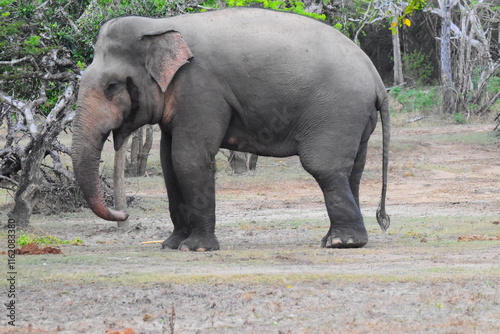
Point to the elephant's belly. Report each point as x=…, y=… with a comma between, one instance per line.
x=264, y=142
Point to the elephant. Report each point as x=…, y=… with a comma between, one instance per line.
x=246, y=79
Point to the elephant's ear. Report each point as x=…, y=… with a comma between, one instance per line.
x=166, y=54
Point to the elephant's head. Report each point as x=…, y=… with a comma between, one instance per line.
x=123, y=89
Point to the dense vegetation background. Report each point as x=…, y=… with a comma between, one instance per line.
x=438, y=56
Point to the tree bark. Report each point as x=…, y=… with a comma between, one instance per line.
x=238, y=162
x=39, y=147
x=252, y=162
x=135, y=148
x=139, y=151
x=119, y=183
x=144, y=152
x=29, y=184
x=449, y=101
x=398, y=64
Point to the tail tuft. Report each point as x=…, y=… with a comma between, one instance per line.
x=383, y=219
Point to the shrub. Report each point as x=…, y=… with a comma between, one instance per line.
x=417, y=100
x=459, y=118
x=417, y=68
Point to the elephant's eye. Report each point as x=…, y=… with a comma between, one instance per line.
x=110, y=89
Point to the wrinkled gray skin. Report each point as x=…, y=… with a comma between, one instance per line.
x=254, y=80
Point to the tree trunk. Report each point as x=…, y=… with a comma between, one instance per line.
x=29, y=184
x=449, y=101
x=139, y=151
x=135, y=150
x=119, y=183
x=238, y=162
x=144, y=152
x=252, y=162
x=398, y=64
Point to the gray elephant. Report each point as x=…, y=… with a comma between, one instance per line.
x=246, y=79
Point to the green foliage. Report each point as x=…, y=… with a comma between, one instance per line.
x=25, y=239
x=411, y=7
x=294, y=6
x=459, y=118
x=29, y=29
x=31, y=46
x=210, y=4
x=53, y=93
x=417, y=67
x=5, y=2
x=493, y=84
x=419, y=100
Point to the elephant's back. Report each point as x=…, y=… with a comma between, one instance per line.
x=278, y=55
x=249, y=27
x=265, y=40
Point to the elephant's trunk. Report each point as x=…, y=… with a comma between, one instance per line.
x=88, y=141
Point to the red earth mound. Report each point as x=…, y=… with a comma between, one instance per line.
x=33, y=249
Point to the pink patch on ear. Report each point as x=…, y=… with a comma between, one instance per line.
x=172, y=64
x=166, y=55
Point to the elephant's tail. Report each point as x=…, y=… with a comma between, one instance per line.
x=383, y=218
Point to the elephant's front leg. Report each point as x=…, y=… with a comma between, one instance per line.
x=182, y=230
x=195, y=171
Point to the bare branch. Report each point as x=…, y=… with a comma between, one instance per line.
x=14, y=61
x=63, y=76
x=61, y=148
x=67, y=96
x=18, y=104
x=488, y=105
x=14, y=182
x=58, y=166
x=71, y=23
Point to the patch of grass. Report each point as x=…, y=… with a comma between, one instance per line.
x=441, y=168
x=446, y=228
x=254, y=226
x=25, y=239
x=465, y=137
x=423, y=100
x=459, y=118
x=446, y=270
x=287, y=279
x=475, y=138
x=141, y=279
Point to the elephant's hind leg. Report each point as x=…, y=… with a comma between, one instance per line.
x=357, y=171
x=347, y=229
x=332, y=171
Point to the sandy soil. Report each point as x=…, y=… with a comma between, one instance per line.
x=271, y=276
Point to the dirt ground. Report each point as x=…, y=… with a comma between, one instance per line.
x=270, y=275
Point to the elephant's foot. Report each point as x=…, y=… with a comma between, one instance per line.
x=345, y=238
x=200, y=243
x=174, y=240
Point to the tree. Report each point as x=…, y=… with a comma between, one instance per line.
x=120, y=198
x=369, y=12
x=37, y=92
x=139, y=151
x=398, y=11
x=447, y=86
x=238, y=161
x=396, y=47
x=470, y=65
x=44, y=45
